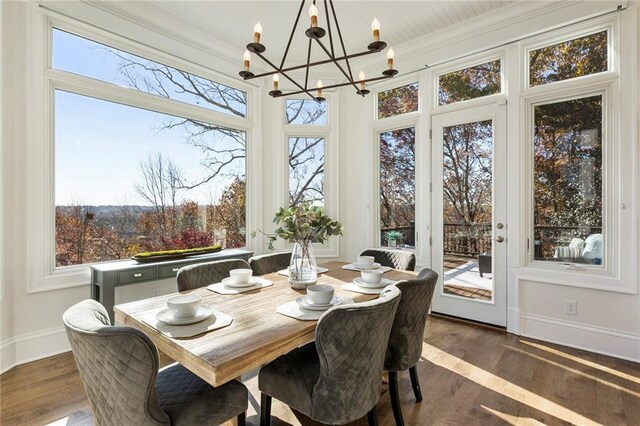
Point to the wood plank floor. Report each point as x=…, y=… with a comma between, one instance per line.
x=470, y=375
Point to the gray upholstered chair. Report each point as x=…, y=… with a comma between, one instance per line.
x=267, y=263
x=195, y=276
x=119, y=369
x=335, y=380
x=397, y=259
x=407, y=334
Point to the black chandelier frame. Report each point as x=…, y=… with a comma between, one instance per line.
x=315, y=34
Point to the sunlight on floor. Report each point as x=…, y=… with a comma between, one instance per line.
x=574, y=371
x=502, y=386
x=583, y=361
x=511, y=419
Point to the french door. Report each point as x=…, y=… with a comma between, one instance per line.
x=469, y=246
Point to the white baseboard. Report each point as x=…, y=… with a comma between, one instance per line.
x=33, y=346
x=7, y=355
x=513, y=320
x=600, y=340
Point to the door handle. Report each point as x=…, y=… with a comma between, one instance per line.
x=500, y=239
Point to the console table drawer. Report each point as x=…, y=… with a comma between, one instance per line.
x=134, y=275
x=168, y=271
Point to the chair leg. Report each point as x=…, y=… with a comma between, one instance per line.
x=265, y=410
x=242, y=417
x=372, y=417
x=413, y=373
x=395, y=398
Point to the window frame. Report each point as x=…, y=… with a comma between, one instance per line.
x=406, y=81
x=43, y=275
x=571, y=33
x=466, y=62
x=617, y=272
x=329, y=131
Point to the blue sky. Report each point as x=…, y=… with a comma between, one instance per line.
x=99, y=144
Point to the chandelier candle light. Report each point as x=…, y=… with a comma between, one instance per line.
x=316, y=33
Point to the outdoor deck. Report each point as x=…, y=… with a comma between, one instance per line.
x=463, y=279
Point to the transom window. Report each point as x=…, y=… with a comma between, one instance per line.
x=570, y=59
x=398, y=101
x=306, y=111
x=470, y=83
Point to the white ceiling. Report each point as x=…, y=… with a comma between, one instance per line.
x=228, y=25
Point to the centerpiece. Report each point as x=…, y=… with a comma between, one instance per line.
x=303, y=225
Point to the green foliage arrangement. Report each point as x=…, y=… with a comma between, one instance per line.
x=304, y=224
x=198, y=250
x=393, y=235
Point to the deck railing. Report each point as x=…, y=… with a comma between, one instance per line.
x=472, y=239
x=468, y=239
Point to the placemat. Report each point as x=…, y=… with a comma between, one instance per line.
x=353, y=268
x=293, y=310
x=223, y=289
x=319, y=270
x=214, y=322
x=362, y=290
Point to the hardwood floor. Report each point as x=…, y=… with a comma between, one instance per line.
x=470, y=375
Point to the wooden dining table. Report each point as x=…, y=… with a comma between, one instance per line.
x=257, y=335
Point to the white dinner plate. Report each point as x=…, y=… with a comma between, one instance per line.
x=252, y=281
x=362, y=283
x=203, y=312
x=364, y=268
x=304, y=302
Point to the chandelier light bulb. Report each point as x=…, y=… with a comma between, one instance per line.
x=247, y=60
x=313, y=14
x=375, y=27
x=362, y=77
x=276, y=79
x=390, y=55
x=319, y=86
x=257, y=31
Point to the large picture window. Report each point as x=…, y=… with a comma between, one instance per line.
x=568, y=195
x=131, y=179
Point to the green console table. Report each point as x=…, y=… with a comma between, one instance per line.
x=105, y=277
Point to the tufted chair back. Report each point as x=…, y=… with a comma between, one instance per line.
x=396, y=259
x=351, y=341
x=268, y=263
x=118, y=366
x=201, y=275
x=405, y=342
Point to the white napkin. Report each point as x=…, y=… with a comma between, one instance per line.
x=319, y=270
x=352, y=267
x=293, y=310
x=223, y=289
x=215, y=321
x=362, y=290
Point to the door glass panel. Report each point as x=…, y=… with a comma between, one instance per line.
x=467, y=209
x=567, y=143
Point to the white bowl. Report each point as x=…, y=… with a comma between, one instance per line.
x=240, y=276
x=366, y=261
x=320, y=294
x=373, y=276
x=184, y=306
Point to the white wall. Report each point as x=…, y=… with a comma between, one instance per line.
x=31, y=322
x=606, y=322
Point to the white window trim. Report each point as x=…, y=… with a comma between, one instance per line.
x=619, y=270
x=329, y=131
x=385, y=125
x=460, y=64
x=571, y=33
x=42, y=273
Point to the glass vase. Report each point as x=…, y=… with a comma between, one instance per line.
x=303, y=270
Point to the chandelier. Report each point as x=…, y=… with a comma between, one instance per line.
x=340, y=59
